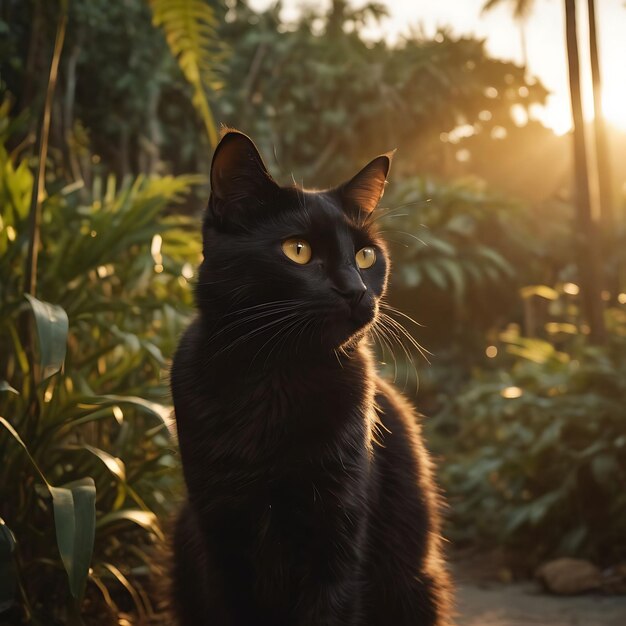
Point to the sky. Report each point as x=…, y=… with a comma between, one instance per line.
x=545, y=36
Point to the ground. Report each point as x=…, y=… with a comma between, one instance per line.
x=525, y=605
x=484, y=601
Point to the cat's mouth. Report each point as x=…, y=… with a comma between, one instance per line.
x=347, y=323
x=361, y=316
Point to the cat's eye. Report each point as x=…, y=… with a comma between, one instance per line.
x=298, y=250
x=366, y=257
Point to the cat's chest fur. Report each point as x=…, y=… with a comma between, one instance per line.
x=280, y=466
x=288, y=435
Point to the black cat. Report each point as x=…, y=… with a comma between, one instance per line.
x=310, y=497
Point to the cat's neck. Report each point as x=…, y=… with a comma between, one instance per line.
x=231, y=346
x=283, y=409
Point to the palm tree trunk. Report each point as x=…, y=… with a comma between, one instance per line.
x=523, y=42
x=588, y=252
x=607, y=214
x=604, y=174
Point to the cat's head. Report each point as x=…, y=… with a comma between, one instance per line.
x=285, y=265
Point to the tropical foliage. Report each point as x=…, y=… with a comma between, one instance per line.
x=292, y=94
x=456, y=247
x=190, y=28
x=540, y=463
x=87, y=457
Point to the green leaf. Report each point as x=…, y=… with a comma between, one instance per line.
x=572, y=541
x=130, y=588
x=8, y=578
x=517, y=518
x=113, y=464
x=605, y=468
x=164, y=413
x=455, y=272
x=542, y=291
x=52, y=327
x=436, y=275
x=7, y=425
x=190, y=31
x=145, y=519
x=541, y=506
x=75, y=521
x=497, y=260
x=411, y=275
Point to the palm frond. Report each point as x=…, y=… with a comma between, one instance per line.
x=190, y=28
x=521, y=8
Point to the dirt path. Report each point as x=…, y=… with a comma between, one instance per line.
x=524, y=605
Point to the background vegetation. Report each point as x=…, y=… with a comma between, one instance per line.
x=526, y=410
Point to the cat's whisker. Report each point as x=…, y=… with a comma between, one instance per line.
x=380, y=214
x=253, y=332
x=300, y=193
x=383, y=343
x=337, y=357
x=251, y=313
x=248, y=336
x=309, y=322
x=387, y=306
x=389, y=343
x=392, y=335
x=393, y=215
x=263, y=305
x=284, y=329
x=398, y=332
x=425, y=353
x=228, y=295
x=247, y=319
x=303, y=196
x=387, y=213
x=387, y=238
x=403, y=232
x=299, y=325
x=213, y=282
x=413, y=203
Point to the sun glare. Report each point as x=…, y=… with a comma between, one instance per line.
x=614, y=105
x=556, y=114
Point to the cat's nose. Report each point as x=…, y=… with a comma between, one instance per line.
x=352, y=290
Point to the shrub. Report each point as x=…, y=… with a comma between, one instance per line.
x=455, y=247
x=538, y=460
x=87, y=463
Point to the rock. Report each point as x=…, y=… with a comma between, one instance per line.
x=569, y=576
x=615, y=579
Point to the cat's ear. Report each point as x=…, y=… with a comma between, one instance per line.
x=239, y=178
x=364, y=191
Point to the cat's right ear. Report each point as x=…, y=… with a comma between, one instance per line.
x=239, y=179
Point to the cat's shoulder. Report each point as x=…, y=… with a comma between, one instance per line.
x=398, y=423
x=390, y=401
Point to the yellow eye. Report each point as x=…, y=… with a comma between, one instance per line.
x=366, y=257
x=298, y=250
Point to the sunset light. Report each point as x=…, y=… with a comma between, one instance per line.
x=544, y=31
x=313, y=312
x=614, y=103
x=557, y=112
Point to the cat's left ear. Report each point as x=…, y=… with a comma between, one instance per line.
x=239, y=179
x=364, y=191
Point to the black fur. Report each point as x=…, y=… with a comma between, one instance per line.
x=310, y=498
